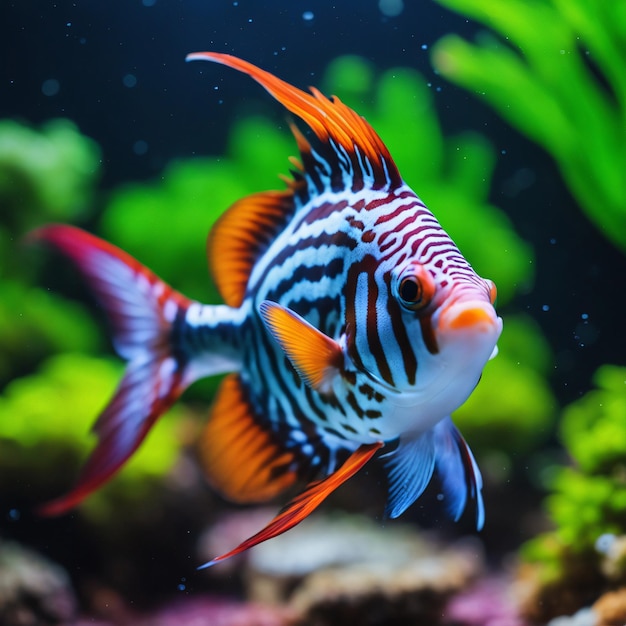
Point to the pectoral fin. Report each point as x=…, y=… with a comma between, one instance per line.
x=316, y=357
x=409, y=470
x=305, y=503
x=458, y=470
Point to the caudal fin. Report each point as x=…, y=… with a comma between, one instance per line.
x=143, y=312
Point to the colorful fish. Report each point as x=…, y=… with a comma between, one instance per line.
x=351, y=323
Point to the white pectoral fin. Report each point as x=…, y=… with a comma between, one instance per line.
x=409, y=470
x=410, y=467
x=458, y=471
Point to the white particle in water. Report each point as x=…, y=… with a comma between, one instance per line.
x=545, y=307
x=307, y=16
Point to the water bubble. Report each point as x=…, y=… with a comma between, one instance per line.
x=307, y=16
x=129, y=80
x=181, y=587
x=14, y=515
x=424, y=46
x=140, y=147
x=584, y=316
x=545, y=307
x=50, y=87
x=391, y=8
x=552, y=240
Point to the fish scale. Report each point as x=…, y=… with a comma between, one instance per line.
x=351, y=323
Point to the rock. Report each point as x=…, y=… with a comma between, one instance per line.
x=33, y=591
x=350, y=570
x=583, y=617
x=611, y=608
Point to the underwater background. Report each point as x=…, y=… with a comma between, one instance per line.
x=508, y=119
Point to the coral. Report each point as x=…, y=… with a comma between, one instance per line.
x=611, y=608
x=33, y=590
x=556, y=74
x=346, y=569
x=489, y=602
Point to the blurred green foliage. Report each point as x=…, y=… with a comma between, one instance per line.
x=43, y=423
x=588, y=499
x=45, y=175
x=556, y=74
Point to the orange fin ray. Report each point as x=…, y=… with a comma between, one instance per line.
x=330, y=119
x=316, y=357
x=243, y=460
x=241, y=235
x=304, y=504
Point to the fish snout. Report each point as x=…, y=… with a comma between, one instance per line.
x=475, y=316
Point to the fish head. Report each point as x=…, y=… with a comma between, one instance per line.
x=423, y=330
x=451, y=326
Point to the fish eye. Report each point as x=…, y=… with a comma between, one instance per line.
x=415, y=287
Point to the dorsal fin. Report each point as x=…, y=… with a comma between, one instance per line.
x=241, y=235
x=335, y=124
x=242, y=460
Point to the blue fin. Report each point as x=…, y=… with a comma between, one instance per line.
x=410, y=467
x=458, y=471
x=409, y=470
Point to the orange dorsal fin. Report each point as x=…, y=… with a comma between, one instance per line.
x=332, y=121
x=242, y=460
x=305, y=503
x=241, y=235
x=316, y=357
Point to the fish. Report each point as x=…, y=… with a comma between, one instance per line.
x=351, y=328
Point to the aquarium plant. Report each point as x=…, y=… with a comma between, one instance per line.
x=554, y=69
x=587, y=506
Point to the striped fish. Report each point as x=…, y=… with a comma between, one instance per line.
x=351, y=323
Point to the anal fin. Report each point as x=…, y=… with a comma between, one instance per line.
x=242, y=459
x=305, y=503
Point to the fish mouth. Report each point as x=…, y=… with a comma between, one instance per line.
x=473, y=316
x=470, y=316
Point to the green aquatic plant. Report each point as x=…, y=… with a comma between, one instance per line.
x=587, y=504
x=44, y=422
x=46, y=174
x=557, y=74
